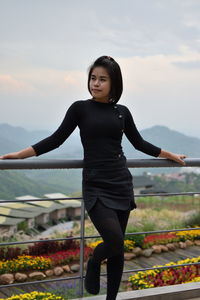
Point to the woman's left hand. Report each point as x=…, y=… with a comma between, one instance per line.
x=172, y=156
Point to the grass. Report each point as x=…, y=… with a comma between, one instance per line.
x=181, y=203
x=150, y=219
x=145, y=220
x=193, y=219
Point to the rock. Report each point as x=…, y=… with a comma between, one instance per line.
x=49, y=273
x=137, y=251
x=171, y=247
x=164, y=248
x=67, y=269
x=189, y=243
x=182, y=245
x=176, y=244
x=197, y=242
x=147, y=252
x=20, y=277
x=75, y=268
x=58, y=271
x=37, y=275
x=129, y=256
x=7, y=278
x=156, y=249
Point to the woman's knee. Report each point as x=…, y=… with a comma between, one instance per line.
x=116, y=246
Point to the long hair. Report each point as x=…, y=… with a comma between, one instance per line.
x=115, y=74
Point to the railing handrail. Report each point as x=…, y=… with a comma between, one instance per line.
x=79, y=164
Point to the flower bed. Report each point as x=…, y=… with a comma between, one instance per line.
x=163, y=277
x=43, y=262
x=35, y=296
x=25, y=263
x=165, y=238
x=67, y=256
x=40, y=256
x=38, y=248
x=159, y=239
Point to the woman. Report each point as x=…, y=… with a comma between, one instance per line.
x=107, y=182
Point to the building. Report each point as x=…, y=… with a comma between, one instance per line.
x=72, y=206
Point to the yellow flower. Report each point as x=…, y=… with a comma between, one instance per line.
x=35, y=296
x=94, y=244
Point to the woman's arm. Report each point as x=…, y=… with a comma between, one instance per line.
x=140, y=144
x=67, y=126
x=172, y=156
x=55, y=140
x=135, y=138
x=28, y=152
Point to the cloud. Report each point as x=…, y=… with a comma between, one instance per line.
x=158, y=72
x=11, y=85
x=43, y=82
x=158, y=91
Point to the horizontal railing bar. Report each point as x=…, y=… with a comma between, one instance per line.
x=39, y=241
x=161, y=231
x=160, y=268
x=167, y=194
x=80, y=198
x=79, y=164
x=94, y=236
x=102, y=274
x=145, y=232
x=39, y=199
x=161, y=163
x=39, y=281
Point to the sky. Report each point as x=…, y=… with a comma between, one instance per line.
x=46, y=47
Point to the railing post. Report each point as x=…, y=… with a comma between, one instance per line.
x=82, y=248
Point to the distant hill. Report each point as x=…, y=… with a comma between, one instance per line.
x=38, y=183
x=167, y=139
x=173, y=140
x=16, y=138
x=13, y=184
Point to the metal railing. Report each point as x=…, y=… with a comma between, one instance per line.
x=78, y=164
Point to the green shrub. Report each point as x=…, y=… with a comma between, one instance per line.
x=193, y=220
x=137, y=238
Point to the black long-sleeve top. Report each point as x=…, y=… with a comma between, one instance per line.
x=101, y=128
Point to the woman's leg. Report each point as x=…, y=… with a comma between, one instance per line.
x=115, y=264
x=111, y=225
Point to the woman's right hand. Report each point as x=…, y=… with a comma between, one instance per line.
x=28, y=152
x=14, y=155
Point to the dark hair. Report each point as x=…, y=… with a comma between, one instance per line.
x=115, y=74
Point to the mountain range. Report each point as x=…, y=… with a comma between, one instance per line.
x=16, y=138
x=39, y=182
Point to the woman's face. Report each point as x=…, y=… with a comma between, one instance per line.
x=100, y=84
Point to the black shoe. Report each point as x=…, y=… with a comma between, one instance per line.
x=92, y=277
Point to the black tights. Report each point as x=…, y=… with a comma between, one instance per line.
x=111, y=225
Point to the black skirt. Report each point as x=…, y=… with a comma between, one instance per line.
x=112, y=186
